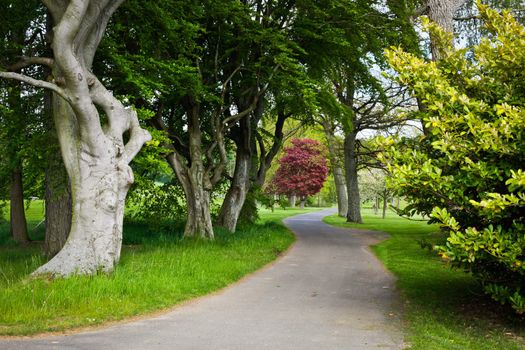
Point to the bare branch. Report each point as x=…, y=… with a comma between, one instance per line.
x=35, y=82
x=98, y=31
x=56, y=8
x=137, y=137
x=28, y=61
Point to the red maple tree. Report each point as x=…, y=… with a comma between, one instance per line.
x=303, y=169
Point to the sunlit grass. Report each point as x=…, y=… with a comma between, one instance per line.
x=154, y=275
x=443, y=309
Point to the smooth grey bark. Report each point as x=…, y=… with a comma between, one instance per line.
x=236, y=195
x=197, y=181
x=18, y=223
x=354, y=201
x=385, y=204
x=198, y=222
x=335, y=162
x=291, y=200
x=248, y=175
x=96, y=157
x=442, y=13
x=303, y=202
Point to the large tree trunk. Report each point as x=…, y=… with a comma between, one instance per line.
x=354, y=201
x=18, y=222
x=442, y=13
x=235, y=198
x=58, y=203
x=291, y=200
x=99, y=190
x=340, y=187
x=100, y=179
x=236, y=195
x=194, y=178
x=198, y=222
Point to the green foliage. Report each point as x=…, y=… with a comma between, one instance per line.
x=466, y=171
x=157, y=205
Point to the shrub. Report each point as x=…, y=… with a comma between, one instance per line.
x=466, y=171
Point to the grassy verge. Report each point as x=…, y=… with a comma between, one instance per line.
x=156, y=274
x=443, y=307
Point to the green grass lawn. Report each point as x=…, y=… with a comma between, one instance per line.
x=444, y=308
x=156, y=274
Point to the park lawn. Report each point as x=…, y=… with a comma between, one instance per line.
x=443, y=308
x=156, y=274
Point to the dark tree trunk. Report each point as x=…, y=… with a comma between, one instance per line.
x=58, y=202
x=342, y=200
x=18, y=222
x=291, y=200
x=354, y=201
x=235, y=197
x=303, y=202
x=58, y=205
x=385, y=204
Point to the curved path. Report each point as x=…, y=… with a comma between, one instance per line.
x=328, y=292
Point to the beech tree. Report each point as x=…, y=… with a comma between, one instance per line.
x=232, y=55
x=302, y=171
x=94, y=152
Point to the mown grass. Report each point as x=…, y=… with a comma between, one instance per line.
x=444, y=308
x=156, y=274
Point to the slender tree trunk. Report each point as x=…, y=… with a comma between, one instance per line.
x=341, y=191
x=58, y=202
x=354, y=201
x=376, y=205
x=442, y=13
x=340, y=187
x=385, y=205
x=291, y=200
x=236, y=195
x=18, y=222
x=303, y=202
x=58, y=206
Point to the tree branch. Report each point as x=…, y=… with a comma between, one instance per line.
x=28, y=61
x=137, y=137
x=35, y=82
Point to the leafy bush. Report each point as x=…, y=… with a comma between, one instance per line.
x=466, y=171
x=157, y=205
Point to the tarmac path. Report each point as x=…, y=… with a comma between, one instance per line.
x=328, y=292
